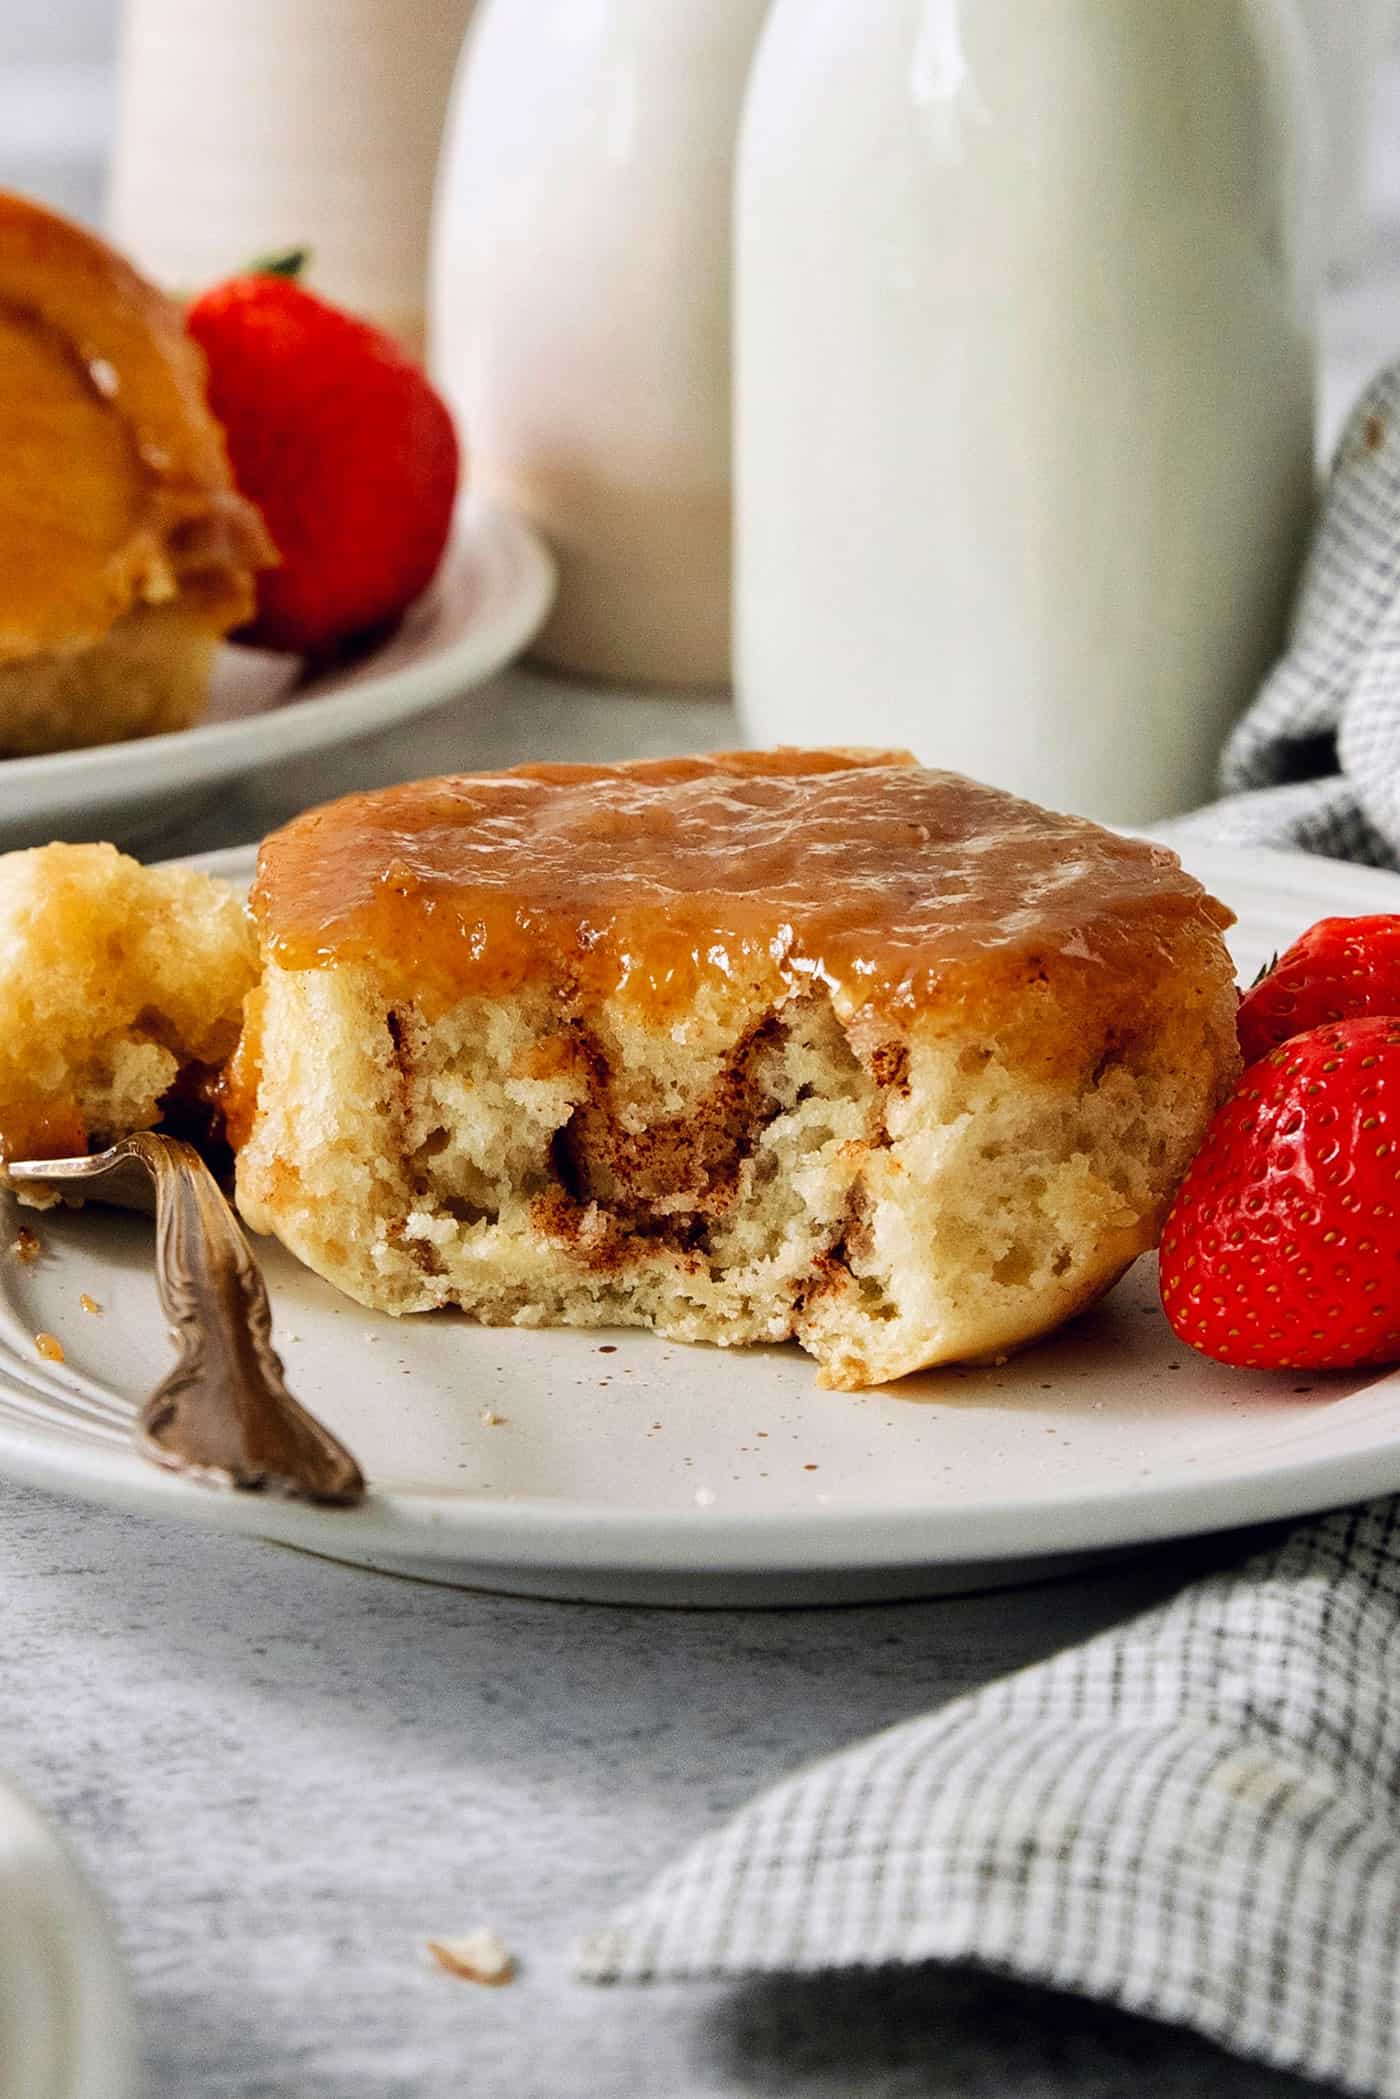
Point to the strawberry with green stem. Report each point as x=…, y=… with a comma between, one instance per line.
x=1340, y=969
x=344, y=446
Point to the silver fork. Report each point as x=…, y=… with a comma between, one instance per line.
x=224, y=1415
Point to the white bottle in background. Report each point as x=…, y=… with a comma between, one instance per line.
x=1348, y=38
x=581, y=310
x=250, y=125
x=1024, y=382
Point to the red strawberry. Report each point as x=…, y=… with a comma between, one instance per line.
x=1341, y=968
x=344, y=447
x=1282, y=1249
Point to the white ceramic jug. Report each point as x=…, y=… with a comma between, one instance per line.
x=249, y=125
x=1024, y=382
x=581, y=309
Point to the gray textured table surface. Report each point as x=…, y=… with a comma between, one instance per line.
x=283, y=1774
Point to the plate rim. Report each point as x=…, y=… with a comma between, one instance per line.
x=459, y=1528
x=522, y=576
x=534, y=1533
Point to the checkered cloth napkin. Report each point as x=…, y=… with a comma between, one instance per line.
x=1315, y=763
x=1197, y=1815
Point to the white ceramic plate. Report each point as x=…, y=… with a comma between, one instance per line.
x=624, y=1467
x=487, y=602
x=65, y=2021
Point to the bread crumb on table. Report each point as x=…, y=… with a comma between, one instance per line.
x=49, y=1347
x=90, y=1305
x=481, y=1956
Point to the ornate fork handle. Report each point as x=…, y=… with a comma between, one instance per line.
x=224, y=1414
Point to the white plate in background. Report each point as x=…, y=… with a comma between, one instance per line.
x=628, y=1468
x=485, y=605
x=66, y=2028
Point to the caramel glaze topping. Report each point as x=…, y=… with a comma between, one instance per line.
x=52, y=1129
x=116, y=487
x=901, y=890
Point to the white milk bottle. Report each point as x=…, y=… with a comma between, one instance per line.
x=1348, y=38
x=580, y=318
x=1024, y=382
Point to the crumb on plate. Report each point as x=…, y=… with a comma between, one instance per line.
x=480, y=1956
